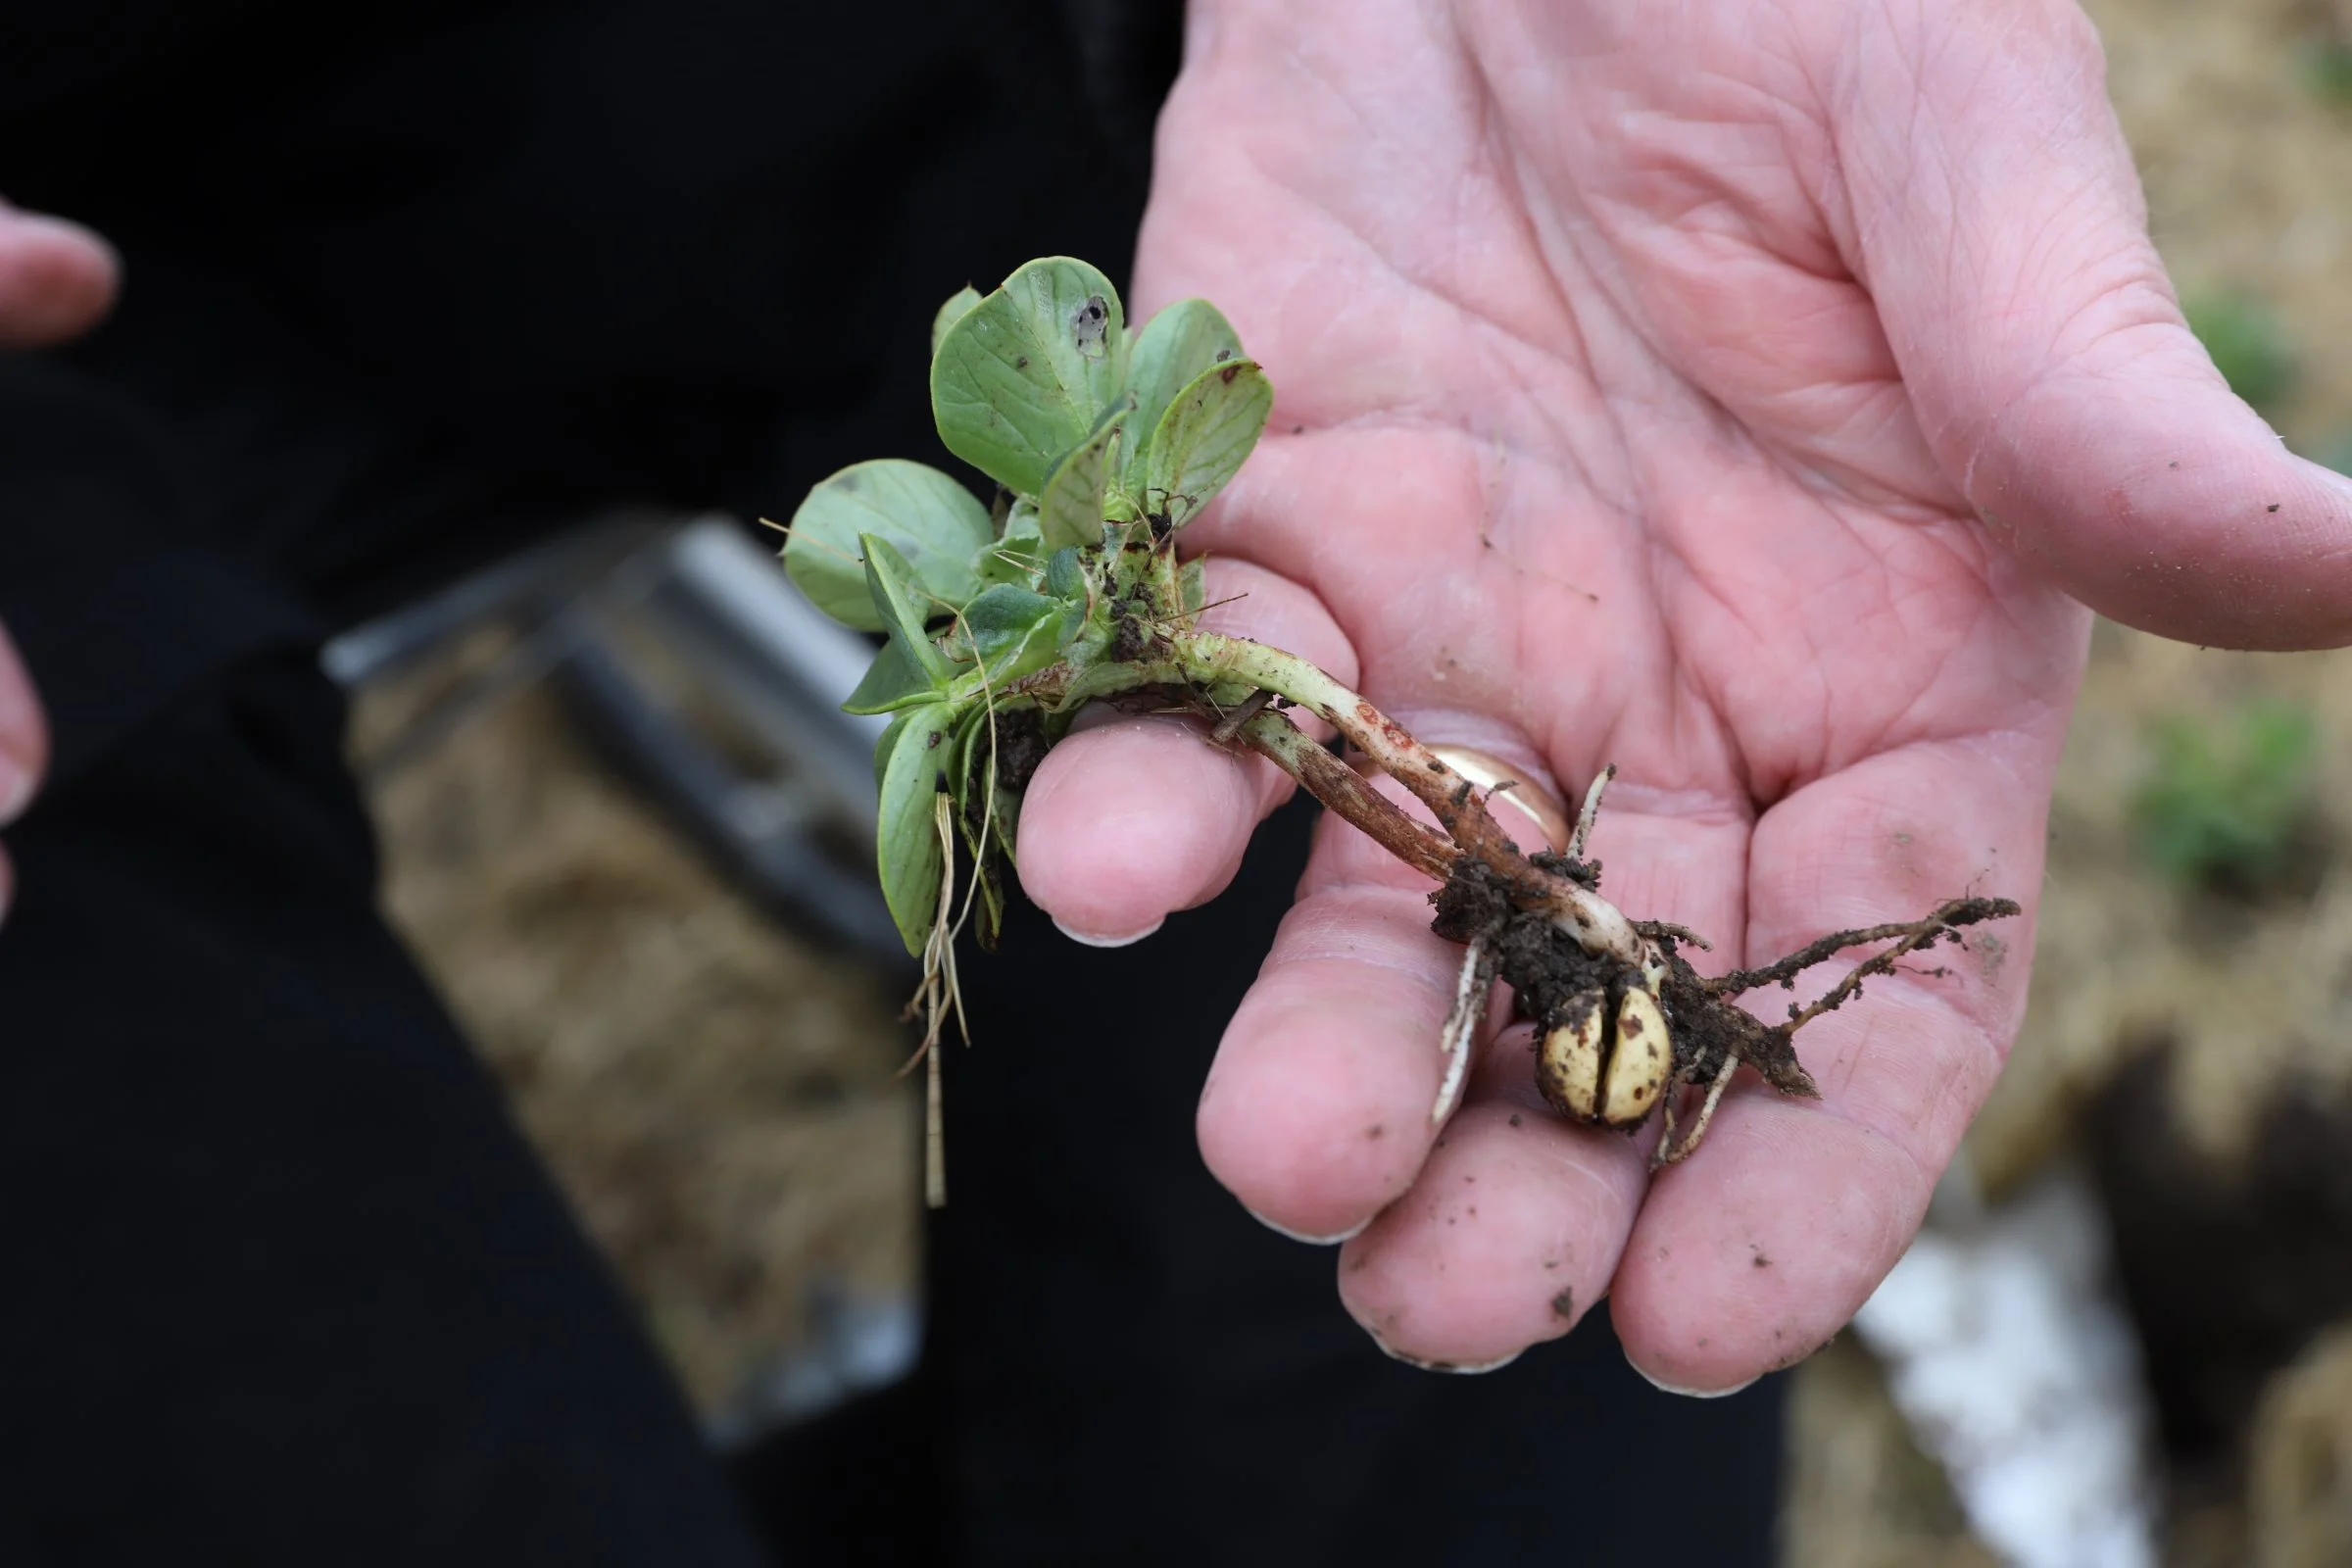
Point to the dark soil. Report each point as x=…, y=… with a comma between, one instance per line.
x=2232, y=1269
x=1552, y=980
x=1555, y=983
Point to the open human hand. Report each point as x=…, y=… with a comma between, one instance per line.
x=56, y=280
x=1754, y=397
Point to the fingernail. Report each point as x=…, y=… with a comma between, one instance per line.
x=1467, y=1369
x=16, y=783
x=50, y=223
x=1665, y=1386
x=1347, y=1235
x=1093, y=940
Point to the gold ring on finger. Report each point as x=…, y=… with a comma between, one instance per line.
x=1530, y=797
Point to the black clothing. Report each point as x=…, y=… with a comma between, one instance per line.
x=406, y=286
x=285, y=1286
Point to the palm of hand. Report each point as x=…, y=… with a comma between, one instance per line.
x=1595, y=448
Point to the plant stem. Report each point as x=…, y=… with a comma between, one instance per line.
x=1349, y=793
x=1210, y=659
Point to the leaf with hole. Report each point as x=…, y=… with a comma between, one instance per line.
x=1022, y=377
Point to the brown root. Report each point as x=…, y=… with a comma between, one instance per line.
x=1538, y=922
x=1553, y=976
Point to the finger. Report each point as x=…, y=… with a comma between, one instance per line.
x=1136, y=816
x=1752, y=1254
x=1516, y=1224
x=1507, y=1238
x=1316, y=1113
x=23, y=734
x=1317, y=1110
x=56, y=279
x=1997, y=220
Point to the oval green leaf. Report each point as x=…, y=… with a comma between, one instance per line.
x=888, y=742
x=1205, y=437
x=952, y=310
x=1065, y=576
x=935, y=524
x=1193, y=584
x=902, y=608
x=1024, y=376
x=907, y=832
x=1175, y=346
x=1070, y=512
x=1014, y=631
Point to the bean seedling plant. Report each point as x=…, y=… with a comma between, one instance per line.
x=1002, y=622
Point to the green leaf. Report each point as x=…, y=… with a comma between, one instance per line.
x=991, y=925
x=1024, y=376
x=1204, y=437
x=888, y=580
x=1098, y=677
x=1013, y=556
x=1175, y=346
x=1014, y=631
x=1004, y=616
x=890, y=739
x=1007, y=821
x=906, y=836
x=1065, y=575
x=961, y=758
x=935, y=524
x=988, y=867
x=955, y=307
x=891, y=684
x=1070, y=512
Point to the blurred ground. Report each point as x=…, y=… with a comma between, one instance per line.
x=720, y=1104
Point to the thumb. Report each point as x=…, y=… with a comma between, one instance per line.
x=1998, y=223
x=56, y=279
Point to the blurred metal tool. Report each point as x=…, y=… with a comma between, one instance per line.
x=701, y=675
